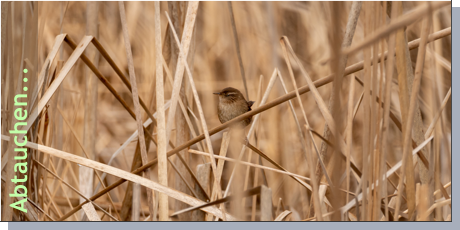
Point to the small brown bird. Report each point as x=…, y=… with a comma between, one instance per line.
x=232, y=104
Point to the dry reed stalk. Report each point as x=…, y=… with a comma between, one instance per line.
x=349, y=132
x=83, y=148
x=367, y=152
x=318, y=83
x=103, y=204
x=386, y=106
x=438, y=53
x=315, y=191
x=58, y=137
x=126, y=143
x=7, y=214
x=86, y=175
x=111, y=62
x=161, y=124
x=303, y=143
x=177, y=10
x=247, y=173
x=306, y=145
x=390, y=172
x=123, y=174
x=355, y=67
x=313, y=88
x=44, y=187
x=404, y=20
x=109, y=86
x=441, y=61
x=266, y=204
x=169, y=75
x=347, y=40
x=91, y=212
x=283, y=216
x=4, y=62
x=412, y=105
x=89, y=209
x=178, y=75
x=220, y=167
x=203, y=121
x=193, y=176
x=299, y=130
x=181, y=104
x=251, y=130
x=336, y=111
x=58, y=80
x=405, y=80
x=376, y=201
x=62, y=188
x=135, y=95
x=189, y=187
x=431, y=127
x=382, y=156
x=386, y=98
x=278, y=166
x=254, y=204
x=43, y=72
x=412, y=45
x=9, y=187
x=250, y=192
x=4, y=79
x=399, y=126
x=204, y=178
x=31, y=213
x=237, y=47
x=251, y=164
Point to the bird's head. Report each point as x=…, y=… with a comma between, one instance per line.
x=229, y=95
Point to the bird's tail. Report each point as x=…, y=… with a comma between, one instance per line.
x=250, y=104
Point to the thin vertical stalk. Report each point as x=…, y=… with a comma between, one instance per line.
x=137, y=107
x=237, y=46
x=161, y=125
x=349, y=133
x=413, y=100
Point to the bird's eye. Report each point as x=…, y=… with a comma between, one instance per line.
x=227, y=95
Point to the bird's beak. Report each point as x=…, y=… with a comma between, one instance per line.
x=216, y=93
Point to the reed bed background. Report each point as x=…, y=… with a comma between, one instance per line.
x=310, y=67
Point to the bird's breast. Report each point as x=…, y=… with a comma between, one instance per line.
x=228, y=111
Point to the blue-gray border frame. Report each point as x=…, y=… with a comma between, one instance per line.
x=277, y=225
